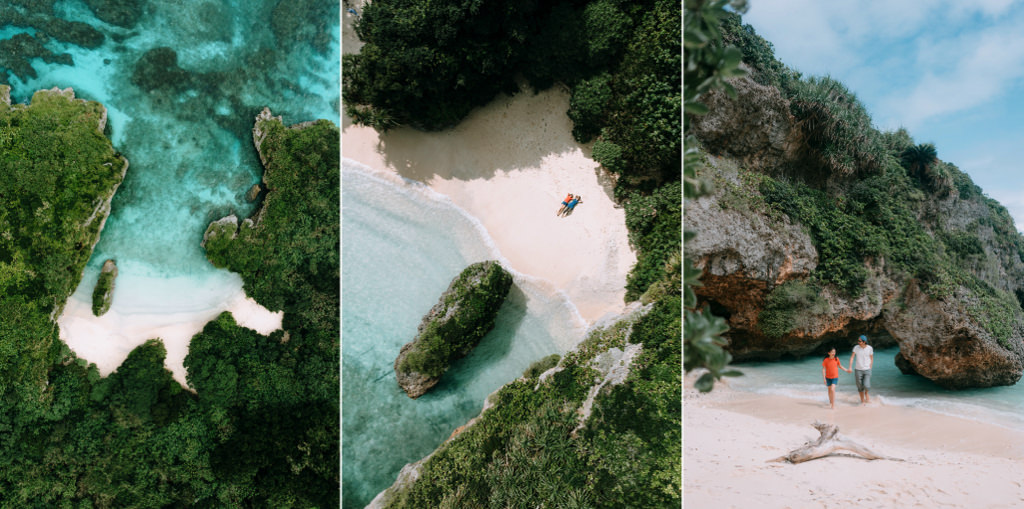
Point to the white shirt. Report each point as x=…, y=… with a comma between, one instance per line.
x=863, y=355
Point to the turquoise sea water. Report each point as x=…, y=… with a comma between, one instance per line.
x=802, y=379
x=186, y=127
x=402, y=244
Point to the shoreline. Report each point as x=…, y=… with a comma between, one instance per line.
x=730, y=435
x=513, y=187
x=107, y=340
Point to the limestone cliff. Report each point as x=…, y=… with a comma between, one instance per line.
x=948, y=302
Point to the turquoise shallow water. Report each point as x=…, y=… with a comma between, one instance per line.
x=402, y=244
x=187, y=131
x=802, y=379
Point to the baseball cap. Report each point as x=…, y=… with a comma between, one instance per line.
x=863, y=338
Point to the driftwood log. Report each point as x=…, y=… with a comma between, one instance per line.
x=827, y=444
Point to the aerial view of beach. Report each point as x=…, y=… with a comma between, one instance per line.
x=169, y=254
x=544, y=140
x=854, y=338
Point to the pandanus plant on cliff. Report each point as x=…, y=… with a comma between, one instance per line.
x=922, y=163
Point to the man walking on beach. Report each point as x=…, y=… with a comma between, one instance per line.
x=865, y=356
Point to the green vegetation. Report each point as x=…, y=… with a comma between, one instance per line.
x=456, y=324
x=427, y=66
x=542, y=365
x=790, y=306
x=103, y=292
x=275, y=399
x=57, y=171
x=626, y=454
x=262, y=427
x=653, y=222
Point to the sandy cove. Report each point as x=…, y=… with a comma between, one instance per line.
x=107, y=340
x=510, y=164
x=729, y=436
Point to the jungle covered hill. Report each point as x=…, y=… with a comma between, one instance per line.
x=822, y=227
x=261, y=427
x=614, y=441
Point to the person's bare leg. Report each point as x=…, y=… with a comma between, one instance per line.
x=832, y=396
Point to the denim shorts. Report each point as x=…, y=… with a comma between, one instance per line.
x=831, y=381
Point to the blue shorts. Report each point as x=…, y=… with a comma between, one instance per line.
x=831, y=381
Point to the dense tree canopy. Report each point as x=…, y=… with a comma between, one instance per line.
x=261, y=428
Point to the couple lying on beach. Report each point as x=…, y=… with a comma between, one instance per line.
x=865, y=357
x=568, y=204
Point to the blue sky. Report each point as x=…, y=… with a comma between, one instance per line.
x=950, y=71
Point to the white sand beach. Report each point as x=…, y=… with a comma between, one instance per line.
x=729, y=436
x=161, y=313
x=510, y=164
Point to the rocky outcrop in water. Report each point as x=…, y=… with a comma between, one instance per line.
x=463, y=315
x=225, y=228
x=103, y=293
x=940, y=341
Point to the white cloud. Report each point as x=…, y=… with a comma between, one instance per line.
x=983, y=66
x=919, y=60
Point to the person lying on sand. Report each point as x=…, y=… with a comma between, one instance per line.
x=565, y=203
x=571, y=205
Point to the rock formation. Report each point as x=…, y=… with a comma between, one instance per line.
x=961, y=338
x=463, y=315
x=103, y=293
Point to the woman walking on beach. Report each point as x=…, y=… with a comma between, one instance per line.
x=830, y=372
x=565, y=203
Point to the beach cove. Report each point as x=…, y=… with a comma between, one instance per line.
x=417, y=208
x=181, y=88
x=417, y=205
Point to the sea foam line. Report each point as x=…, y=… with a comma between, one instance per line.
x=536, y=287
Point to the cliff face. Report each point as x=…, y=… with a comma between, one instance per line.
x=968, y=333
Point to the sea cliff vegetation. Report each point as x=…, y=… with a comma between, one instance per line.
x=621, y=63
x=904, y=246
x=57, y=173
x=261, y=427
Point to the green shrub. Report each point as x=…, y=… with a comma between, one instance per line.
x=654, y=231
x=789, y=307
x=541, y=366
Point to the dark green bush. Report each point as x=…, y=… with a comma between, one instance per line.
x=541, y=366
x=789, y=307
